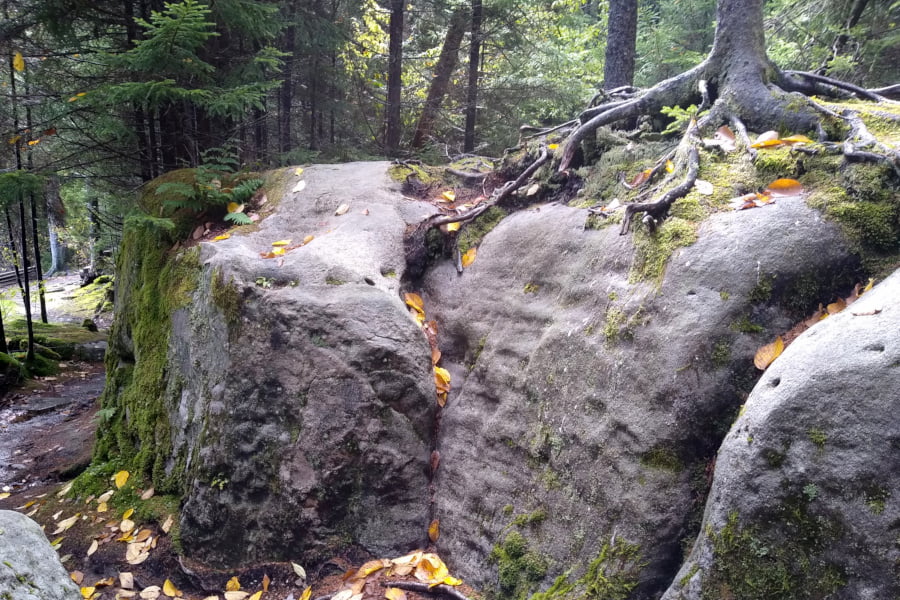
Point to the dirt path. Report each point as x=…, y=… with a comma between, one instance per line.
x=47, y=430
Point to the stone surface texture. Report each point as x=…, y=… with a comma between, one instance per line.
x=29, y=567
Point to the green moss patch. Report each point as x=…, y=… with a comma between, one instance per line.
x=519, y=567
x=473, y=233
x=653, y=250
x=612, y=575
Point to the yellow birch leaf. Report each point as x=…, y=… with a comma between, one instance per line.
x=408, y=559
x=784, y=187
x=868, y=286
x=768, y=353
x=106, y=496
x=233, y=207
x=170, y=590
x=306, y=593
x=448, y=580
x=5, y=495
x=256, y=596
x=121, y=478
x=167, y=524
x=55, y=544
x=77, y=577
x=233, y=584
x=836, y=306
x=126, y=526
x=87, y=592
x=265, y=582
x=415, y=301
x=282, y=243
x=552, y=146
x=15, y=139
x=18, y=62
x=431, y=568
x=369, y=568
x=34, y=142
x=278, y=251
x=308, y=239
x=441, y=378
x=453, y=226
x=434, y=530
x=236, y=595
x=105, y=582
x=342, y=209
x=796, y=139
x=224, y=236
x=670, y=166
x=298, y=570
x=298, y=172
x=469, y=257
x=93, y=548
x=767, y=144
x=66, y=524
x=127, y=513
x=394, y=594
x=449, y=196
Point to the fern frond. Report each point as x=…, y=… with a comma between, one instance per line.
x=238, y=218
x=245, y=190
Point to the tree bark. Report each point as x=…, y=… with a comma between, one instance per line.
x=621, y=40
x=395, y=72
x=440, y=81
x=286, y=92
x=472, y=86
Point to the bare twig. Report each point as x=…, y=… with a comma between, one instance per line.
x=658, y=208
x=424, y=588
x=843, y=85
x=471, y=176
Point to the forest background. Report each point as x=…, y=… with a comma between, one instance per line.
x=99, y=97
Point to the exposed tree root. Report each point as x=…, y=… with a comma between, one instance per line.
x=424, y=588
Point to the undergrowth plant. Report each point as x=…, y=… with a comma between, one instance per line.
x=217, y=182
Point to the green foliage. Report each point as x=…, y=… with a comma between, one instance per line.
x=680, y=117
x=519, y=568
x=215, y=183
x=17, y=185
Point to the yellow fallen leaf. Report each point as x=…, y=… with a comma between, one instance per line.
x=93, y=547
x=306, y=593
x=836, y=306
x=298, y=172
x=127, y=513
x=66, y=524
x=265, y=582
x=236, y=595
x=224, y=236
x=453, y=226
x=167, y=524
x=77, y=577
x=169, y=589
x=415, y=301
x=441, y=379
x=147, y=494
x=448, y=580
x=234, y=207
x=394, y=594
x=298, y=570
x=299, y=187
x=552, y=146
x=121, y=478
x=65, y=489
x=87, y=592
x=18, y=62
x=308, y=239
x=278, y=252
x=469, y=257
x=784, y=187
x=431, y=568
x=233, y=584
x=670, y=166
x=768, y=353
x=55, y=544
x=126, y=580
x=449, y=196
x=408, y=559
x=106, y=496
x=151, y=592
x=105, y=582
x=142, y=535
x=15, y=139
x=434, y=530
x=5, y=495
x=102, y=507
x=342, y=209
x=256, y=596
x=868, y=285
x=796, y=139
x=282, y=243
x=126, y=526
x=369, y=568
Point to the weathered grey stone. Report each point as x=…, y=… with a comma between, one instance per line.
x=586, y=408
x=805, y=497
x=302, y=394
x=29, y=567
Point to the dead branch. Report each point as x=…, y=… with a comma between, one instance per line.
x=468, y=175
x=891, y=92
x=424, y=588
x=544, y=131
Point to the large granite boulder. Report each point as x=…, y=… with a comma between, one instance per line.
x=804, y=503
x=29, y=567
x=586, y=409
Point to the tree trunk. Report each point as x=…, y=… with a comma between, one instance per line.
x=440, y=81
x=394, y=84
x=34, y=217
x=621, y=39
x=472, y=86
x=286, y=92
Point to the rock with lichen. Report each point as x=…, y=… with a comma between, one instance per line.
x=29, y=566
x=804, y=500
